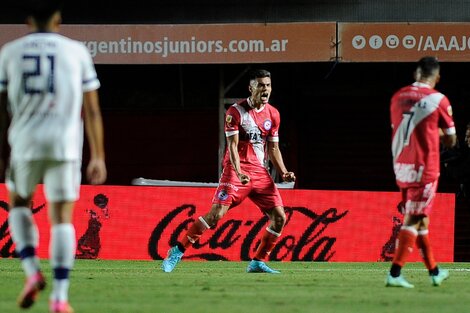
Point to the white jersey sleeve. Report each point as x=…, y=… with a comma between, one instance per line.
x=89, y=80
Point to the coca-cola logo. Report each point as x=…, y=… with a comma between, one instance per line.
x=307, y=244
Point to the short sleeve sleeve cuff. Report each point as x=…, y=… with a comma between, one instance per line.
x=231, y=133
x=273, y=139
x=91, y=84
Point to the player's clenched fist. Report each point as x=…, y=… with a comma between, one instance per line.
x=244, y=179
x=288, y=177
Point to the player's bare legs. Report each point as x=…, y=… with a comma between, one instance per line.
x=277, y=218
x=25, y=235
x=62, y=253
x=195, y=231
x=209, y=220
x=216, y=212
x=271, y=234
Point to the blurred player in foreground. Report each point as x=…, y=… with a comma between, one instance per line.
x=421, y=117
x=46, y=80
x=251, y=129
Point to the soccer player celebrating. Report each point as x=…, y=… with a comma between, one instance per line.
x=419, y=114
x=251, y=128
x=47, y=80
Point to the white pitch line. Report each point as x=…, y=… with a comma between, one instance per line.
x=370, y=270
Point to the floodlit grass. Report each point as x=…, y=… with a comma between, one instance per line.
x=140, y=286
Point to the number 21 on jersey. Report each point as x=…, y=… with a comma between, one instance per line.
x=38, y=73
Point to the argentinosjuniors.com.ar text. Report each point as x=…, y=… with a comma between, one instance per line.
x=167, y=47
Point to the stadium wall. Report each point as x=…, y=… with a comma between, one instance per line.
x=244, y=11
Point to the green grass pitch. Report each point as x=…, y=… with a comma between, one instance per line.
x=140, y=286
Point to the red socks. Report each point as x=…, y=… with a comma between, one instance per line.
x=194, y=232
x=405, y=243
x=267, y=243
x=424, y=245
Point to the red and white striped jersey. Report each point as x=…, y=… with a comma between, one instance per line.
x=417, y=112
x=254, y=127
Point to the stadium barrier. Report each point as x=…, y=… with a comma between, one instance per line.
x=140, y=223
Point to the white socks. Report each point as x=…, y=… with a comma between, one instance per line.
x=62, y=246
x=60, y=290
x=25, y=235
x=62, y=257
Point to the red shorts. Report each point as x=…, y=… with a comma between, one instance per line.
x=419, y=200
x=261, y=189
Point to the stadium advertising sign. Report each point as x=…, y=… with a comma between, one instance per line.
x=403, y=42
x=199, y=43
x=140, y=223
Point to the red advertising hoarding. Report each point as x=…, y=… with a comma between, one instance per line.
x=140, y=223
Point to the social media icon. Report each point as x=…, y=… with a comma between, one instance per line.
x=359, y=42
x=409, y=42
x=392, y=41
x=375, y=42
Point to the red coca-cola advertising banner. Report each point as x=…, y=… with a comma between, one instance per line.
x=140, y=223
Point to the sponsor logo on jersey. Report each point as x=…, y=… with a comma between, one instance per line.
x=255, y=135
x=407, y=173
x=267, y=124
x=229, y=185
x=449, y=110
x=222, y=195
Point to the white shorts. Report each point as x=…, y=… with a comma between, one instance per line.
x=61, y=179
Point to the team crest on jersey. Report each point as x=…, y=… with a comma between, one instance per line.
x=222, y=195
x=267, y=124
x=228, y=119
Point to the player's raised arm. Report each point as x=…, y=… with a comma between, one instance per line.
x=96, y=170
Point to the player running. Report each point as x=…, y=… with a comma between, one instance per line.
x=418, y=114
x=251, y=129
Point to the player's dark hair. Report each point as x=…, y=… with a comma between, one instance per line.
x=427, y=66
x=259, y=74
x=42, y=10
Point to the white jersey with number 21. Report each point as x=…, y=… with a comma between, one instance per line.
x=45, y=75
